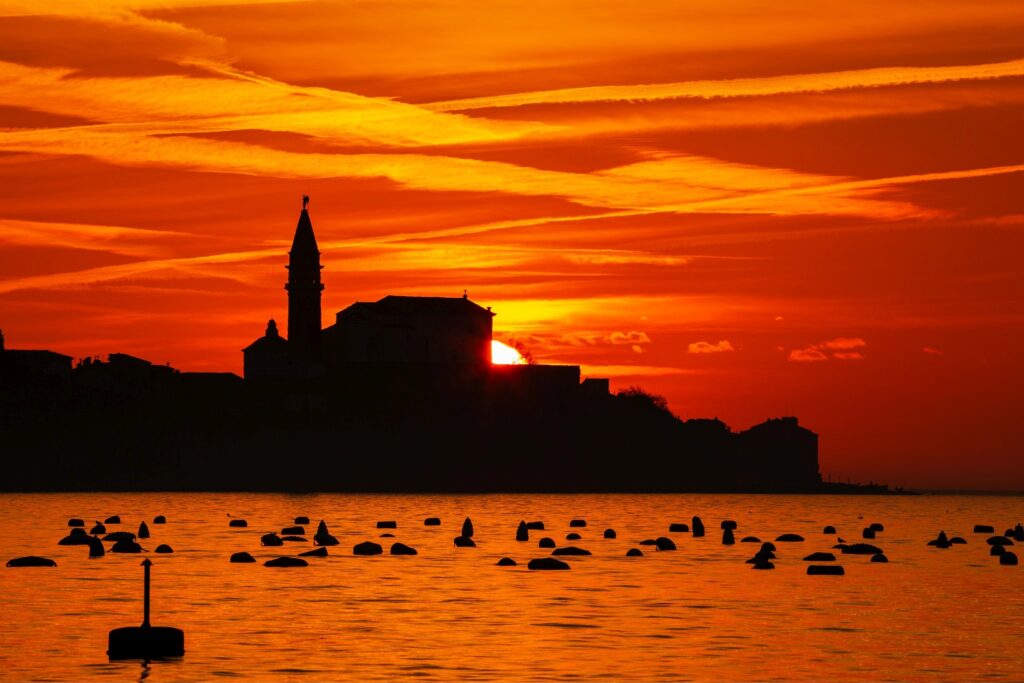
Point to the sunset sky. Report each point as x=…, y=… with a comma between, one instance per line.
x=751, y=208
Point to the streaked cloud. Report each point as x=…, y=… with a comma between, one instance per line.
x=722, y=346
x=840, y=348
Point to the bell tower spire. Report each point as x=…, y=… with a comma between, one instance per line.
x=304, y=289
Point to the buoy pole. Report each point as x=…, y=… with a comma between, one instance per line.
x=145, y=594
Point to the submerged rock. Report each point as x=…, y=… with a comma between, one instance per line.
x=301, y=519
x=119, y=536
x=999, y=540
x=678, y=528
x=957, y=540
x=96, y=548
x=286, y=561
x=768, y=545
x=159, y=519
x=242, y=558
x=648, y=541
x=164, y=549
x=294, y=539
x=506, y=562
x=126, y=547
x=467, y=528
x=31, y=561
x=790, y=538
x=763, y=564
x=432, y=521
x=1008, y=558
x=74, y=521
x=522, y=532
x=387, y=524
x=271, y=540
x=825, y=570
x=546, y=563
x=820, y=557
x=868, y=533
x=634, y=552
x=727, y=537
x=464, y=542
x=879, y=557
x=323, y=536
x=698, y=527
x=293, y=531
x=402, y=549
x=75, y=539
x=877, y=527
x=535, y=526
x=113, y=519
x=609, y=533
x=238, y=523
x=729, y=524
x=570, y=550
x=750, y=539
x=984, y=529
x=547, y=542
x=575, y=523
x=664, y=543
x=367, y=548
x=829, y=530
x=143, y=530
x=315, y=552
x=861, y=549
x=98, y=530
x=572, y=536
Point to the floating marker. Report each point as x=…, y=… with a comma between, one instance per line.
x=146, y=642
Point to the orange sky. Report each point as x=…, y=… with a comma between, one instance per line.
x=751, y=208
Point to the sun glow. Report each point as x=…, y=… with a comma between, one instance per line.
x=503, y=354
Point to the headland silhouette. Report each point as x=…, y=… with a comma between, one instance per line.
x=396, y=395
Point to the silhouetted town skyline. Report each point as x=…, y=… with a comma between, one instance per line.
x=397, y=394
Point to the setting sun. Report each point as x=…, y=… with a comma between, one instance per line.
x=503, y=354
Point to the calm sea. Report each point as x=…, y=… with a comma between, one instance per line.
x=699, y=613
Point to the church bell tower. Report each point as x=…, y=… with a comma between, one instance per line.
x=304, y=290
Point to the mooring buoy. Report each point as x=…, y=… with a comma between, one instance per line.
x=146, y=642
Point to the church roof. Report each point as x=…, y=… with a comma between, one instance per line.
x=271, y=342
x=421, y=305
x=304, y=241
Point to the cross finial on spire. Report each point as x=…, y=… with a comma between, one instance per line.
x=465, y=294
x=305, y=201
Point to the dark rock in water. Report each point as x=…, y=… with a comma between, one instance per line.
x=868, y=533
x=164, y=549
x=790, y=538
x=728, y=524
x=542, y=563
x=750, y=539
x=1008, y=558
x=113, y=519
x=74, y=521
x=1018, y=533
x=126, y=547
x=294, y=539
x=31, y=561
x=535, y=526
x=315, y=552
x=634, y=552
x=840, y=546
x=999, y=540
x=73, y=539
x=506, y=562
x=572, y=536
x=387, y=535
x=763, y=564
x=648, y=541
x=98, y=530
x=159, y=519
x=238, y=523
x=286, y=562
x=78, y=531
x=877, y=527
x=145, y=643
x=367, y=548
x=467, y=528
x=825, y=570
x=768, y=545
x=301, y=519
x=432, y=521
x=609, y=533
x=577, y=523
x=387, y=524
x=727, y=537
x=941, y=542
x=402, y=549
x=570, y=550
x=765, y=553
x=143, y=530
x=119, y=536
x=984, y=529
x=698, y=526
x=861, y=549
x=293, y=531
x=547, y=542
x=323, y=536
x=464, y=542
x=957, y=540
x=522, y=532
x=829, y=530
x=997, y=550
x=879, y=557
x=664, y=543
x=820, y=557
x=678, y=528
x=96, y=548
x=271, y=539
x=242, y=557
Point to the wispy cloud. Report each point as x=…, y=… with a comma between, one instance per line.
x=722, y=346
x=840, y=348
